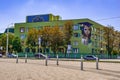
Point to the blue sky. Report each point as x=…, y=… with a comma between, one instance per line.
x=15, y=11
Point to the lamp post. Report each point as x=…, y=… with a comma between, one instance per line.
x=7, y=41
x=39, y=42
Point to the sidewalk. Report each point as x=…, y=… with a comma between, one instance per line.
x=101, y=60
x=110, y=60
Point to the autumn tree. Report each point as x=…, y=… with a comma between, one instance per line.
x=45, y=37
x=56, y=39
x=109, y=37
x=32, y=38
x=117, y=42
x=68, y=31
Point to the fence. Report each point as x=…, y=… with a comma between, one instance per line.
x=46, y=60
x=72, y=55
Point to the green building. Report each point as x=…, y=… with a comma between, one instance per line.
x=87, y=34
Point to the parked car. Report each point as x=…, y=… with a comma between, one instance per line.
x=11, y=55
x=40, y=55
x=0, y=55
x=89, y=57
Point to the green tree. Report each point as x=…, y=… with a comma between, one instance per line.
x=4, y=40
x=17, y=47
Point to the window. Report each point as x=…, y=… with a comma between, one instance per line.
x=22, y=29
x=75, y=43
x=76, y=27
x=22, y=36
x=75, y=50
x=76, y=34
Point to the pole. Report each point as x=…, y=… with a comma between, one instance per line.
x=81, y=62
x=46, y=60
x=39, y=41
x=97, y=63
x=26, y=58
x=7, y=42
x=17, y=59
x=57, y=60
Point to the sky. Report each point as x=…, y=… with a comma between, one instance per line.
x=105, y=12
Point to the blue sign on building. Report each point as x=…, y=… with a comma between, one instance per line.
x=38, y=18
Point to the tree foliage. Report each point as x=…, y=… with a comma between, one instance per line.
x=17, y=47
x=68, y=31
x=51, y=37
x=12, y=42
x=56, y=38
x=32, y=37
x=109, y=37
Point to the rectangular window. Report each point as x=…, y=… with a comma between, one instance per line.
x=75, y=43
x=22, y=36
x=22, y=29
x=76, y=27
x=76, y=35
x=75, y=50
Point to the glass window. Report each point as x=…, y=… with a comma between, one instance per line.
x=75, y=50
x=22, y=36
x=76, y=27
x=75, y=43
x=76, y=34
x=22, y=29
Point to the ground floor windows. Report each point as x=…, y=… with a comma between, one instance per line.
x=75, y=50
x=75, y=43
x=22, y=36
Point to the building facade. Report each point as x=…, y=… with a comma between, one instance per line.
x=87, y=34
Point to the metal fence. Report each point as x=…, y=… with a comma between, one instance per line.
x=70, y=55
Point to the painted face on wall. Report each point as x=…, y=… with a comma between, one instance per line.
x=87, y=31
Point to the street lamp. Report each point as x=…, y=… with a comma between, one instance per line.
x=7, y=41
x=39, y=42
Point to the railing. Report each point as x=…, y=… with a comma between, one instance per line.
x=71, y=55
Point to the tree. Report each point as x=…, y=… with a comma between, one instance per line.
x=117, y=42
x=32, y=38
x=68, y=31
x=45, y=37
x=56, y=39
x=3, y=41
x=17, y=47
x=109, y=37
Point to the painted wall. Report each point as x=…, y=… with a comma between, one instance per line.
x=82, y=47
